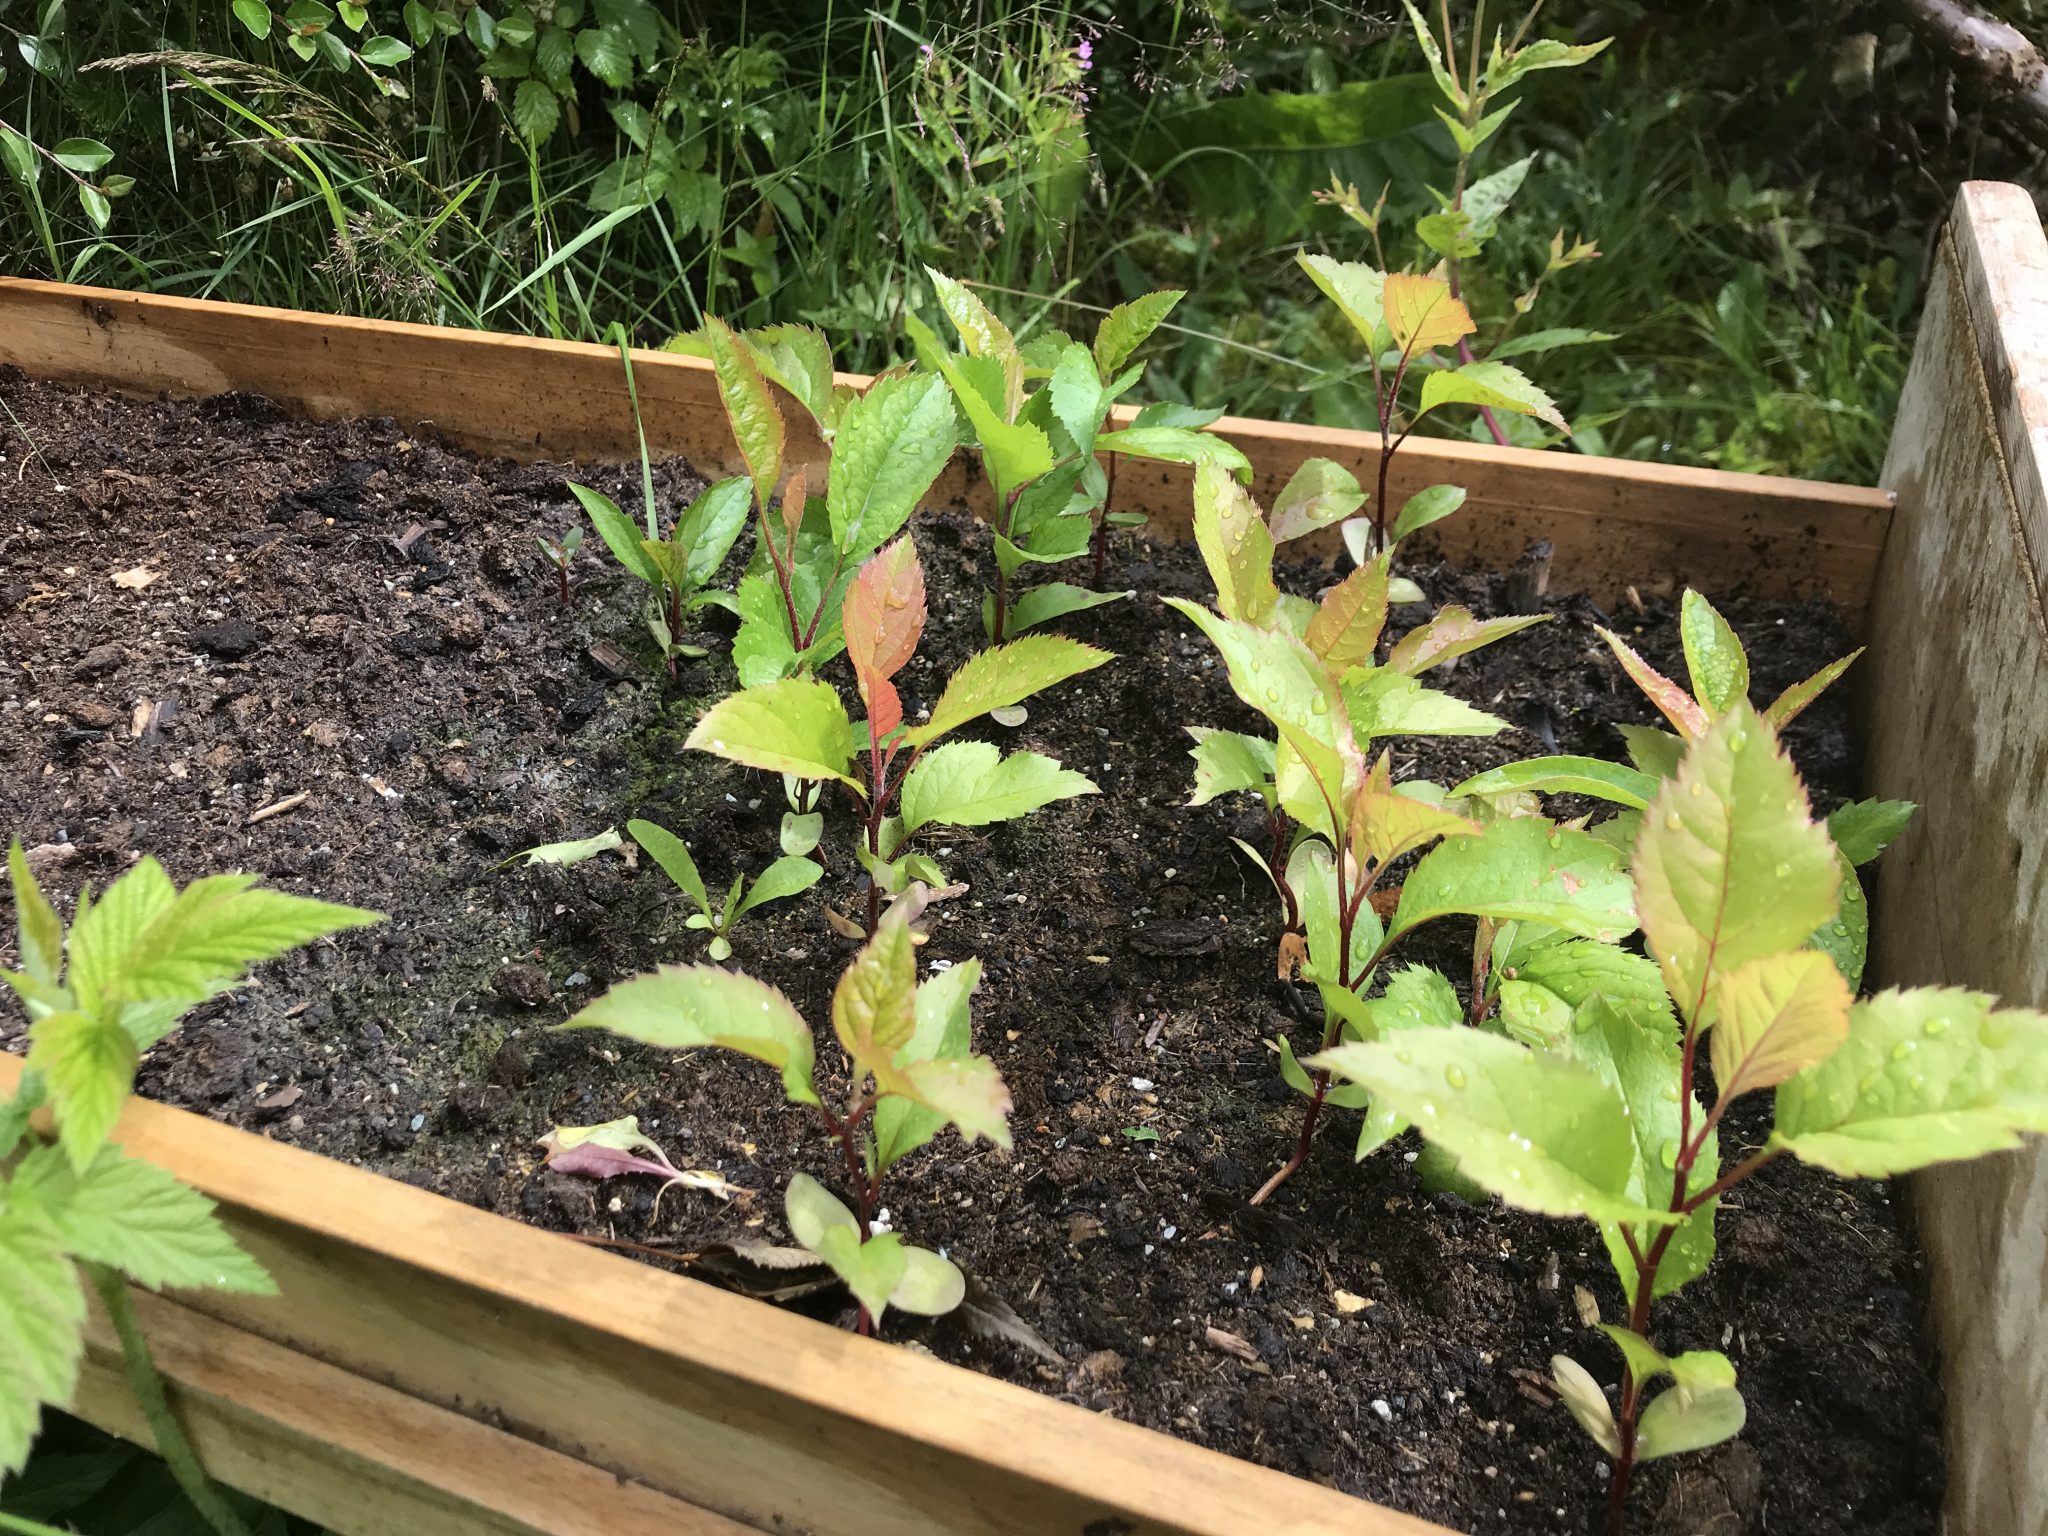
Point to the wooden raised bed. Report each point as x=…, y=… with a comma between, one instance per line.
x=432, y=1368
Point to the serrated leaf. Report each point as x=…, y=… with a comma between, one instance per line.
x=1788, y=705
x=88, y=1062
x=1014, y=453
x=1312, y=876
x=749, y=408
x=763, y=651
x=1522, y=869
x=40, y=933
x=1382, y=702
x=1228, y=761
x=1653, y=751
x=1358, y=291
x=1452, y=633
x=882, y=619
x=1177, y=445
x=1542, y=1132
x=1926, y=1076
x=536, y=111
x=1316, y=495
x=1077, y=396
x=1003, y=675
x=1777, y=1016
x=605, y=51
x=1846, y=940
x=132, y=1216
x=796, y=726
x=890, y=445
x=710, y=525
x=683, y=1007
x=1533, y=1014
x=1431, y=505
x=1714, y=657
x=798, y=358
x=620, y=534
x=1729, y=866
x=1863, y=829
x=981, y=333
x=1672, y=701
x=213, y=932
x=943, y=1032
x=1423, y=314
x=966, y=1091
x=969, y=784
x=668, y=850
x=1054, y=600
x=1126, y=328
x=1492, y=386
x=1348, y=621
x=42, y=1320
x=1385, y=823
x=1235, y=544
x=1544, y=53
x=874, y=1007
x=1564, y=776
x=103, y=933
x=1579, y=970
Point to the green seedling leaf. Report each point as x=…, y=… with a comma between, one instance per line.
x=1385, y=823
x=1713, y=656
x=573, y=852
x=1788, y=705
x=1383, y=702
x=40, y=932
x=1582, y=1396
x=1316, y=495
x=42, y=1322
x=797, y=726
x=1446, y=79
x=668, y=850
x=756, y=423
x=1863, y=829
x=1672, y=701
x=1491, y=386
x=798, y=358
x=1654, y=752
x=1229, y=761
x=1054, y=600
x=931, y=1286
x=1078, y=399
x=1846, y=940
x=1680, y=1420
x=621, y=535
x=787, y=876
x=1634, y=1047
x=1423, y=314
x=964, y=784
x=1542, y=1132
x=1927, y=1076
x=1431, y=505
x=763, y=650
x=1452, y=633
x=801, y=831
x=874, y=1007
x=1177, y=445
x=1358, y=291
x=1128, y=326
x=1004, y=675
x=967, y=1092
x=1729, y=865
x=1015, y=453
x=943, y=1032
x=981, y=333
x=1312, y=876
x=1522, y=869
x=1579, y=970
x=1348, y=621
x=1777, y=1016
x=684, y=1007
x=132, y=1216
x=710, y=525
x=820, y=1221
x=1236, y=546
x=891, y=444
x=1564, y=776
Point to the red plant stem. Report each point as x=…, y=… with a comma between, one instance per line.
x=562, y=574
x=782, y=577
x=1482, y=966
x=866, y=1185
x=1389, y=446
x=1002, y=613
x=1290, y=907
x=1102, y=522
x=1648, y=1261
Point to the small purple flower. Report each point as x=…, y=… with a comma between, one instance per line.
x=1084, y=53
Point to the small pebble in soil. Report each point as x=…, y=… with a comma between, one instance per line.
x=230, y=640
x=1381, y=1407
x=99, y=661
x=521, y=982
x=1141, y=1085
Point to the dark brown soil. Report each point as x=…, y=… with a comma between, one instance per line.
x=360, y=617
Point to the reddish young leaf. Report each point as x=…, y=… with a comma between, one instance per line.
x=883, y=618
x=793, y=497
x=1672, y=701
x=1787, y=705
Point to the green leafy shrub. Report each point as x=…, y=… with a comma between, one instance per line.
x=913, y=1073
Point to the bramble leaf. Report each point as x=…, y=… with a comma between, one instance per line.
x=42, y=1321
x=1729, y=867
x=1316, y=495
x=1003, y=675
x=684, y=1007
x=1541, y=1131
x=1926, y=1076
x=964, y=784
x=797, y=726
x=41, y=933
x=88, y=1061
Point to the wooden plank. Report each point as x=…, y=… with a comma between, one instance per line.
x=768, y=1418
x=1958, y=688
x=1613, y=522
x=358, y=1457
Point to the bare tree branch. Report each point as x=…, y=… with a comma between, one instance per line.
x=1998, y=55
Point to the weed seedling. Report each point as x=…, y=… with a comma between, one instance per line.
x=787, y=876
x=559, y=553
x=132, y=965
x=904, y=781
x=911, y=1072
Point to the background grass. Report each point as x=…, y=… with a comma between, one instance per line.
x=1762, y=226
